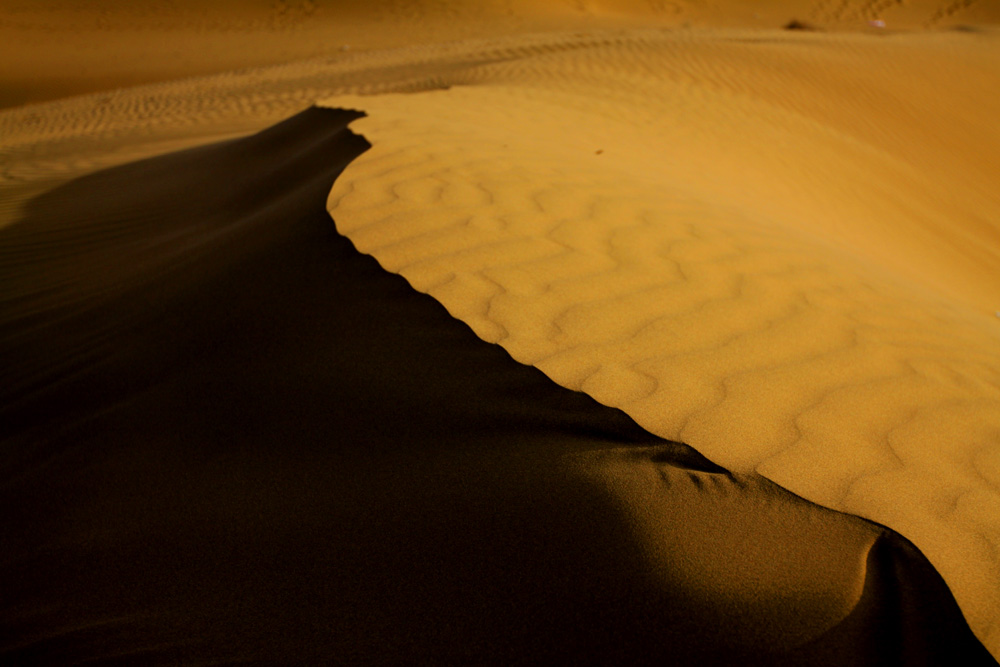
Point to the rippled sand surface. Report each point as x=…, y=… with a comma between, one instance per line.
x=781, y=250
x=778, y=246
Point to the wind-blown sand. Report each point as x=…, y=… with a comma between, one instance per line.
x=227, y=435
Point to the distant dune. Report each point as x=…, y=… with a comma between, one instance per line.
x=63, y=47
x=770, y=234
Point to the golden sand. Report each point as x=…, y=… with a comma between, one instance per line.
x=778, y=246
x=781, y=249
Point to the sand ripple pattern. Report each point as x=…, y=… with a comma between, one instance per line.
x=778, y=247
x=652, y=223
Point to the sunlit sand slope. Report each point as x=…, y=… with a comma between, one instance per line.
x=780, y=248
x=228, y=437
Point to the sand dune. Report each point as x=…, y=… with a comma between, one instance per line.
x=770, y=256
x=64, y=47
x=230, y=437
x=777, y=246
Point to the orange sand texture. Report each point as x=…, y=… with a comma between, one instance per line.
x=781, y=247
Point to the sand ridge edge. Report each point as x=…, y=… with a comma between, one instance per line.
x=185, y=484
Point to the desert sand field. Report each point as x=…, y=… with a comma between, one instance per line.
x=565, y=331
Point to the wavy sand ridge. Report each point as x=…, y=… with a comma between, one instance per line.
x=42, y=145
x=824, y=317
x=229, y=437
x=780, y=250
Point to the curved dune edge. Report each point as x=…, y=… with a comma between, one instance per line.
x=66, y=138
x=229, y=436
x=768, y=250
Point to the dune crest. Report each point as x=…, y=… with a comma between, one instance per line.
x=334, y=466
x=779, y=266
x=777, y=245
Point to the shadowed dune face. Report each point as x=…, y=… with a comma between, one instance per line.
x=735, y=547
x=777, y=246
x=229, y=436
x=733, y=553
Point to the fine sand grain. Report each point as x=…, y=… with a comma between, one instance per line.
x=224, y=431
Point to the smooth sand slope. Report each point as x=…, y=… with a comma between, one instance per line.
x=779, y=247
x=54, y=48
x=230, y=437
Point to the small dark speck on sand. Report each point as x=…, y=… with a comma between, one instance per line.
x=796, y=24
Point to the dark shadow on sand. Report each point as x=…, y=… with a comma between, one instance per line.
x=227, y=436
